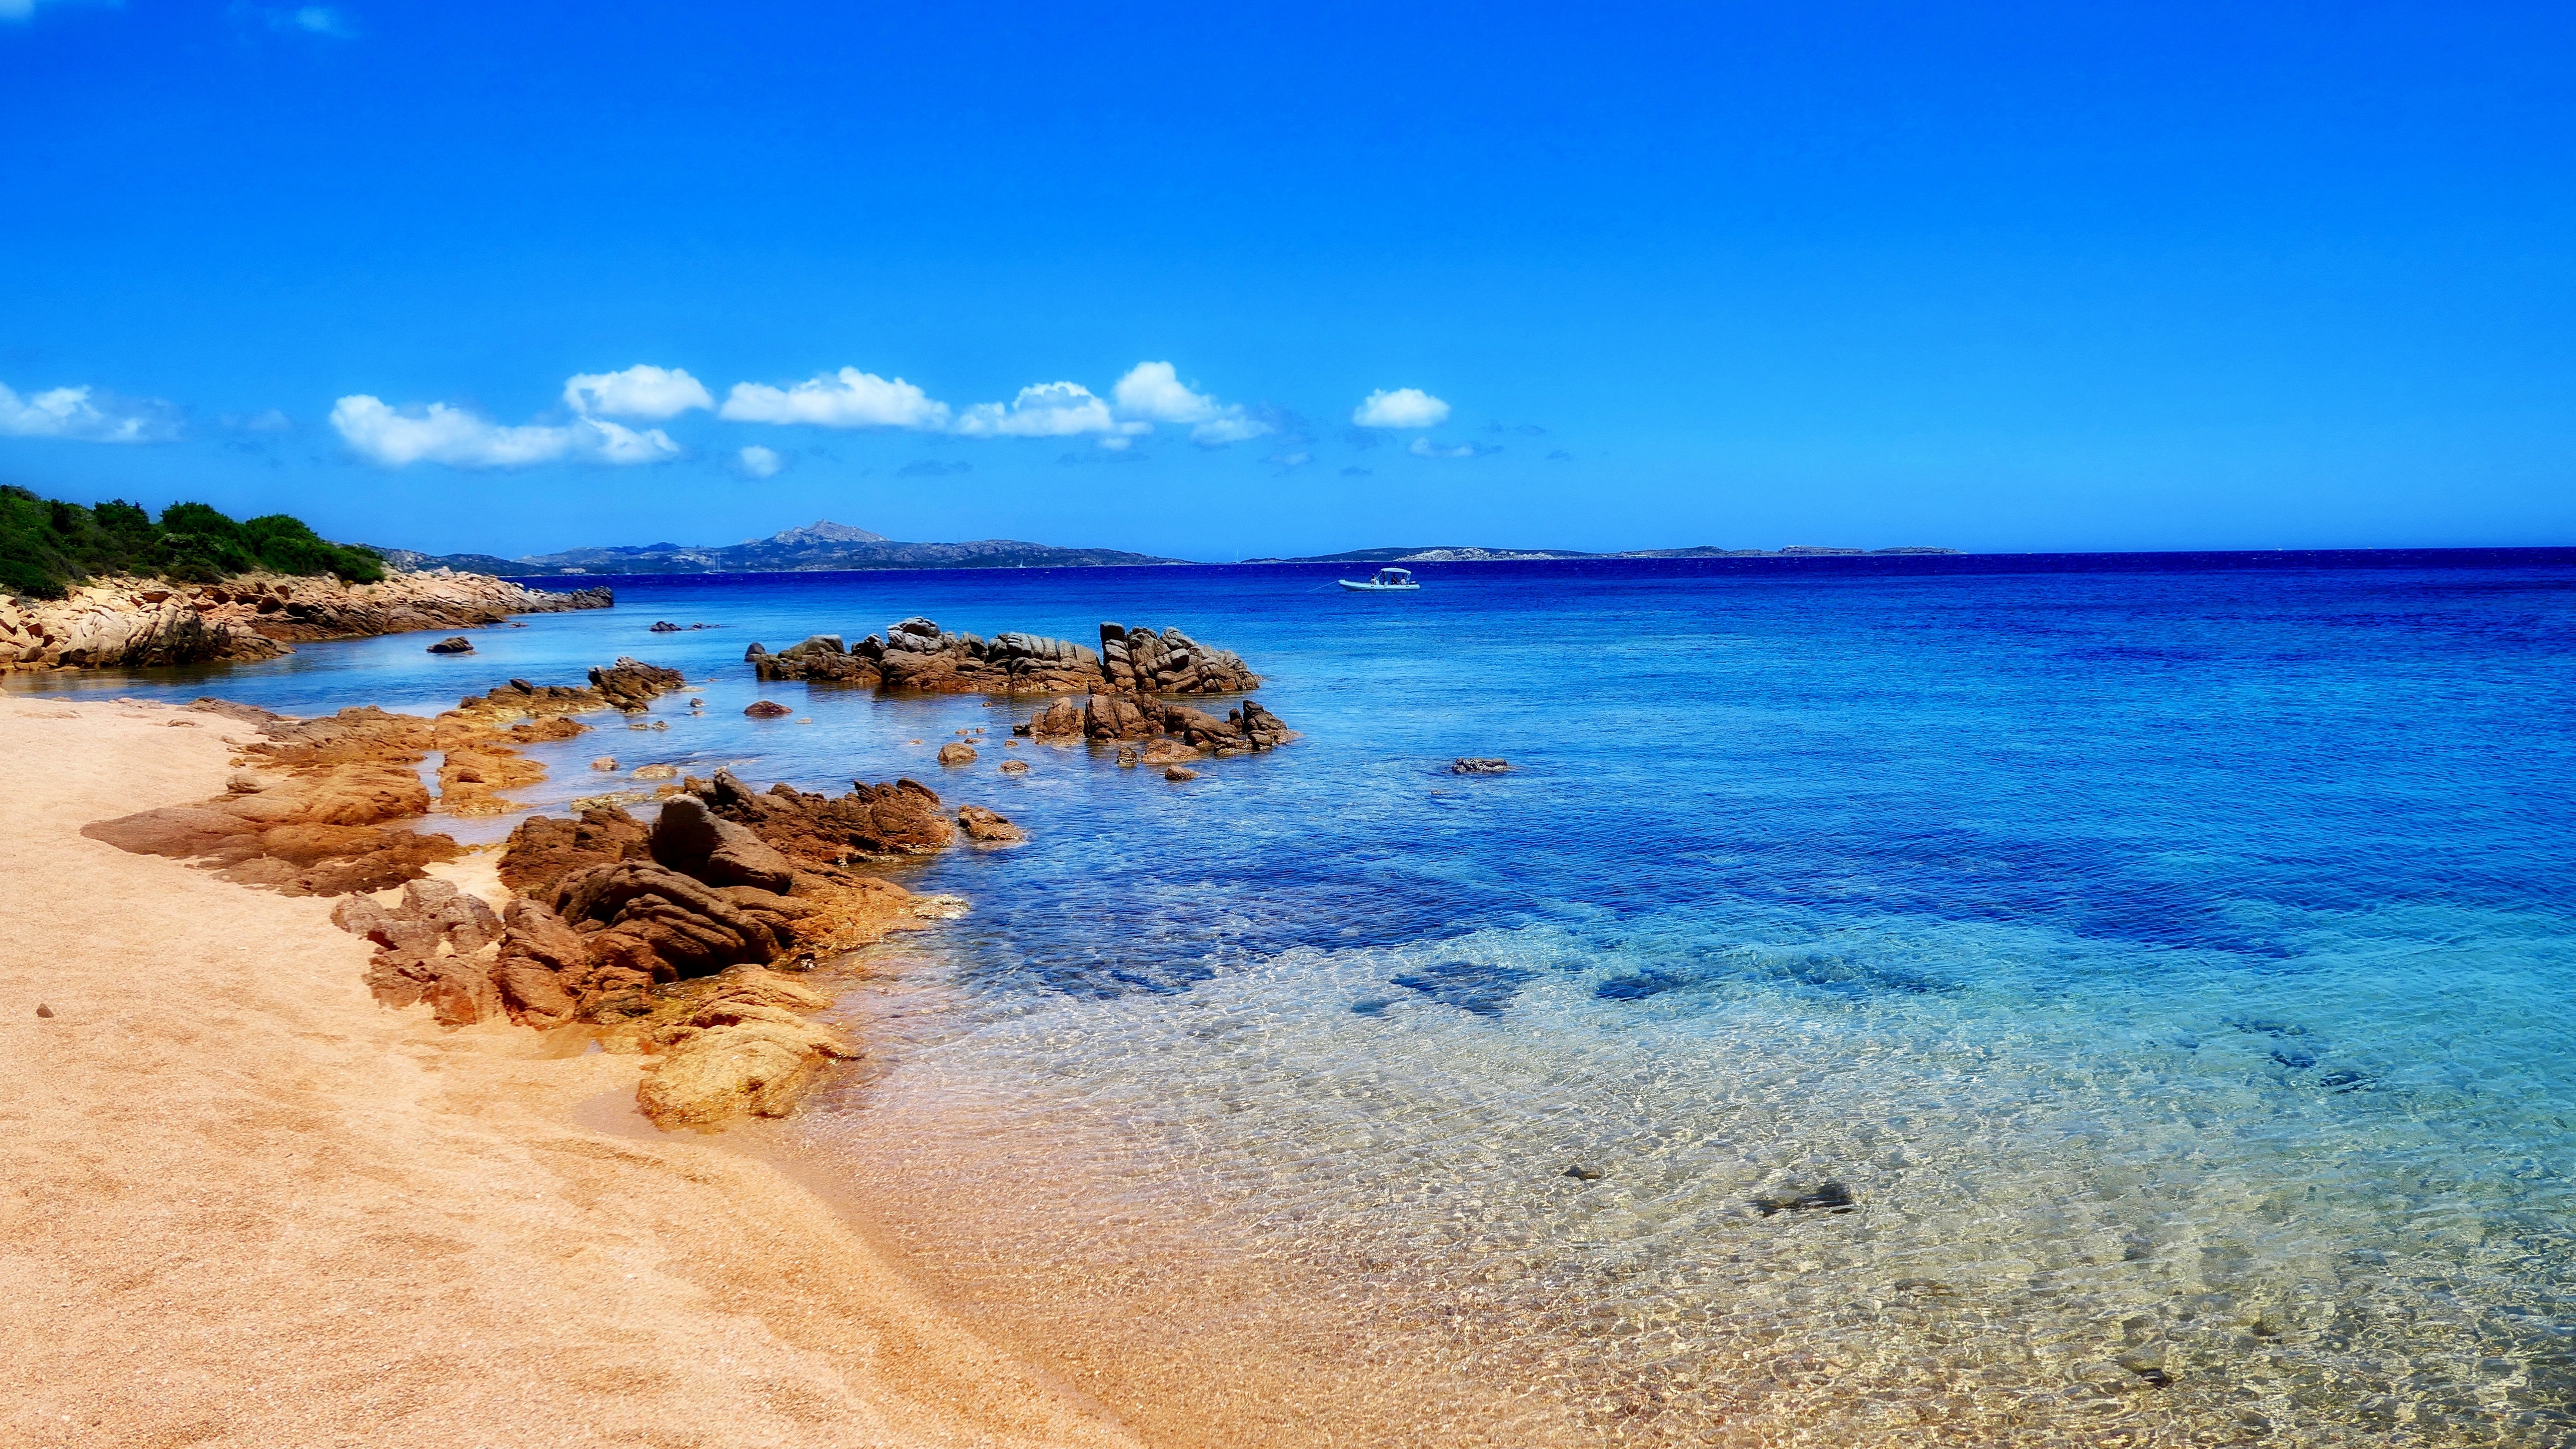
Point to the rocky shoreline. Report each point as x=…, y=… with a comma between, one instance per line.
x=663, y=941
x=143, y=622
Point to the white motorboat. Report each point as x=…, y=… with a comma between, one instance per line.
x=1384, y=581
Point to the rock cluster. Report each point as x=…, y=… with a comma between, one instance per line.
x=917, y=654
x=1117, y=718
x=315, y=820
x=437, y=945
x=870, y=823
x=1143, y=662
x=133, y=623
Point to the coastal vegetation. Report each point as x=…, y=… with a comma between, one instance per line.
x=47, y=545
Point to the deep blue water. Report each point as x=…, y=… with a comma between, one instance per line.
x=2182, y=941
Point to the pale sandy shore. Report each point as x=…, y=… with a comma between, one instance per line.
x=241, y=1204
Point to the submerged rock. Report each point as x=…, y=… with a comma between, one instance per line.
x=1829, y=1196
x=1586, y=1172
x=1466, y=766
x=457, y=644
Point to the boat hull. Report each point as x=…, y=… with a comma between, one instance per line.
x=1377, y=588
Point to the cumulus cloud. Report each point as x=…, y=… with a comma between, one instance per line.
x=1405, y=407
x=399, y=437
x=1153, y=392
x=86, y=414
x=641, y=391
x=1048, y=410
x=846, y=399
x=1425, y=448
x=761, y=462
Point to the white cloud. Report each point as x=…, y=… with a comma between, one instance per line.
x=1153, y=392
x=1048, y=410
x=641, y=391
x=846, y=399
x=86, y=414
x=762, y=462
x=1425, y=448
x=1406, y=407
x=399, y=437
x=312, y=20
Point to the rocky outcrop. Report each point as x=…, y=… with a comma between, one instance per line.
x=1141, y=661
x=743, y=1050
x=629, y=685
x=820, y=658
x=436, y=944
x=138, y=623
x=321, y=818
x=453, y=644
x=872, y=822
x=917, y=654
x=632, y=685
x=543, y=850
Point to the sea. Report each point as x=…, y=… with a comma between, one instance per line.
x=2080, y=999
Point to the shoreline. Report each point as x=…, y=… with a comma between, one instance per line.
x=335, y=1222
x=132, y=622
x=255, y=1207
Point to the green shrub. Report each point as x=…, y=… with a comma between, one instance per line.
x=47, y=545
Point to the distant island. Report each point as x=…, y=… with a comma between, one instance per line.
x=817, y=547
x=828, y=546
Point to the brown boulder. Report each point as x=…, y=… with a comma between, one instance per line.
x=1168, y=752
x=631, y=684
x=1062, y=720
x=986, y=827
x=870, y=822
x=457, y=645
x=1180, y=772
x=957, y=753
x=691, y=840
x=767, y=709
x=543, y=850
x=661, y=923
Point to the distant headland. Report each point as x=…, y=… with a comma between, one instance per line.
x=825, y=545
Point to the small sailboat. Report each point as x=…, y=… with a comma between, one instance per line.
x=1384, y=581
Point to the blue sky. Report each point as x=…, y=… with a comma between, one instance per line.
x=1998, y=277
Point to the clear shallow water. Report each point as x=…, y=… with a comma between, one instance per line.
x=2172, y=961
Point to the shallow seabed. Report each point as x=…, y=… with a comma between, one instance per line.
x=2170, y=966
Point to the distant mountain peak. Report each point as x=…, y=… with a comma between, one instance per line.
x=824, y=530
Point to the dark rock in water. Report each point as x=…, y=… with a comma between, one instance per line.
x=1179, y=772
x=1470, y=986
x=1637, y=987
x=454, y=644
x=1373, y=1006
x=1830, y=1197
x=631, y=684
x=665, y=626
x=1586, y=1172
x=2294, y=1059
x=767, y=709
x=2343, y=1081
x=1465, y=766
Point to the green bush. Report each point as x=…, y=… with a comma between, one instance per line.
x=47, y=545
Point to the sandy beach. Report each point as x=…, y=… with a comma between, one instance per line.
x=247, y=1205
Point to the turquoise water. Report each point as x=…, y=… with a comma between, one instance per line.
x=2170, y=958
